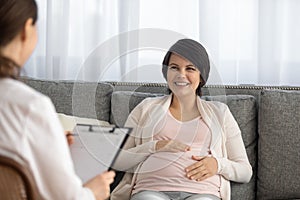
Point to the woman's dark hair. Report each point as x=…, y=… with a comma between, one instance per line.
x=13, y=16
x=165, y=69
x=195, y=53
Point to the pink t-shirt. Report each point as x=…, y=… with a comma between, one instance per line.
x=165, y=171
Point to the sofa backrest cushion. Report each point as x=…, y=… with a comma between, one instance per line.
x=81, y=99
x=243, y=108
x=279, y=145
x=123, y=102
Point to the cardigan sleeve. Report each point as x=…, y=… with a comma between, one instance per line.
x=135, y=150
x=236, y=166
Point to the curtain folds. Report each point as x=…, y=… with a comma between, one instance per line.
x=249, y=41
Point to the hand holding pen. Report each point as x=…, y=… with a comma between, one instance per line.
x=70, y=137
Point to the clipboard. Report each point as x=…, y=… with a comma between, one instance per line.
x=96, y=148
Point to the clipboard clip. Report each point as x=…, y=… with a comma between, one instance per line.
x=90, y=128
x=112, y=130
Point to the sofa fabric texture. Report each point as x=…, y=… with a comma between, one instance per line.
x=279, y=145
x=243, y=108
x=81, y=99
x=269, y=119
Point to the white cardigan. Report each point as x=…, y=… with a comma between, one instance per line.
x=226, y=144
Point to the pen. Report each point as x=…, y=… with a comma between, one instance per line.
x=71, y=134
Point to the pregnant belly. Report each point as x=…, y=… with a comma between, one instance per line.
x=165, y=171
x=167, y=164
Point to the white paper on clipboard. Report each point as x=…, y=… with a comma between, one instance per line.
x=95, y=148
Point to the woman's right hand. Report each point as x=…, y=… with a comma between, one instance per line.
x=171, y=146
x=70, y=137
x=100, y=185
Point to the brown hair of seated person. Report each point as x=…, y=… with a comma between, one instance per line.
x=13, y=16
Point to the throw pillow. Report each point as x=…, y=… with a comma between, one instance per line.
x=123, y=102
x=243, y=108
x=83, y=99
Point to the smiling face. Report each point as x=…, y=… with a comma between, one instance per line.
x=182, y=76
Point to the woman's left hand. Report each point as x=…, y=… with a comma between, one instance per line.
x=203, y=169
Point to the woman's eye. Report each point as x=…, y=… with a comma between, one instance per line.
x=191, y=69
x=173, y=67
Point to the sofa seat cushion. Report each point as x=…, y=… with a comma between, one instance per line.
x=279, y=145
x=243, y=108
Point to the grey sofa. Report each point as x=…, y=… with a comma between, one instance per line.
x=269, y=118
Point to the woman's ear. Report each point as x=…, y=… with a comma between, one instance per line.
x=28, y=41
x=28, y=30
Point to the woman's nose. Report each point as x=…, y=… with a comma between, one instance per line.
x=181, y=72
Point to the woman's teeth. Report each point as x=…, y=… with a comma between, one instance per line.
x=181, y=84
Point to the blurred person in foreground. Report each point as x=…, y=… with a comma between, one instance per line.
x=29, y=126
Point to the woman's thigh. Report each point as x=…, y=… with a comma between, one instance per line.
x=149, y=195
x=202, y=197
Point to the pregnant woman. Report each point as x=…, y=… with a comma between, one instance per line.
x=182, y=147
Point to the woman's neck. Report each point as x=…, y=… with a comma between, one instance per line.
x=12, y=51
x=184, y=109
x=186, y=103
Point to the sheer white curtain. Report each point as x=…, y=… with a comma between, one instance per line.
x=69, y=32
x=249, y=41
x=252, y=41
